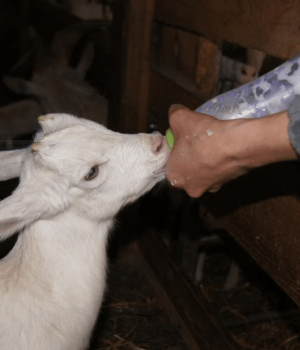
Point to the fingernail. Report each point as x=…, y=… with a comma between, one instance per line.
x=173, y=183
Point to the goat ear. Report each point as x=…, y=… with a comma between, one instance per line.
x=25, y=206
x=11, y=163
x=20, y=86
x=16, y=212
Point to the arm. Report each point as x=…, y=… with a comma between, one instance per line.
x=209, y=152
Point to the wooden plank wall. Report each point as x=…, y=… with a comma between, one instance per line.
x=184, y=69
x=262, y=212
x=269, y=26
x=198, y=28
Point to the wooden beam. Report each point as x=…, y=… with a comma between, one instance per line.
x=271, y=239
x=167, y=87
x=207, y=68
x=130, y=66
x=262, y=212
x=271, y=27
x=204, y=327
x=192, y=55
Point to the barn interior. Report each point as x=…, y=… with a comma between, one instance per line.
x=217, y=272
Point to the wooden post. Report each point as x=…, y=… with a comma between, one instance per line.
x=207, y=68
x=130, y=65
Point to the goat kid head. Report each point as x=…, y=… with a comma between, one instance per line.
x=78, y=165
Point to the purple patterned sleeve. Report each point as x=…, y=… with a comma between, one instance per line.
x=294, y=124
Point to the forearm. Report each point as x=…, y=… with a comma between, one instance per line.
x=209, y=152
x=256, y=142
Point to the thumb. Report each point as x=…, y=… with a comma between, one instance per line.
x=177, y=117
x=176, y=107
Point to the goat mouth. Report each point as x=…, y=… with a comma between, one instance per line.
x=161, y=170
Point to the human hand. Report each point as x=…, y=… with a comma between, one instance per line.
x=200, y=159
x=209, y=152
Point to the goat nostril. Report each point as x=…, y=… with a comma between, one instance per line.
x=159, y=147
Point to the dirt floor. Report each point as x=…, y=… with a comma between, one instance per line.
x=256, y=313
x=132, y=318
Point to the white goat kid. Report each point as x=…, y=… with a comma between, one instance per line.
x=73, y=180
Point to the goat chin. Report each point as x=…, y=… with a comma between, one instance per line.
x=73, y=181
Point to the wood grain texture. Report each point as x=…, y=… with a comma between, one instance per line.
x=167, y=87
x=207, y=68
x=262, y=212
x=203, y=325
x=267, y=230
x=269, y=26
x=185, y=70
x=130, y=66
x=190, y=54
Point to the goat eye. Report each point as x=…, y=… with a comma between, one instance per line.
x=92, y=173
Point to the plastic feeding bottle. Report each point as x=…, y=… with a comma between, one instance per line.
x=270, y=93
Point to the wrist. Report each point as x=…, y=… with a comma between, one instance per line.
x=257, y=142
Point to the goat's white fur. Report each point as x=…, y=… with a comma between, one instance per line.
x=52, y=282
x=10, y=163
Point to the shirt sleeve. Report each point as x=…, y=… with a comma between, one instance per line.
x=294, y=124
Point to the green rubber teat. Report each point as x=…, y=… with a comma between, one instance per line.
x=170, y=138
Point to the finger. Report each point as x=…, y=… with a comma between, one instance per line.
x=177, y=117
x=215, y=189
x=176, y=107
